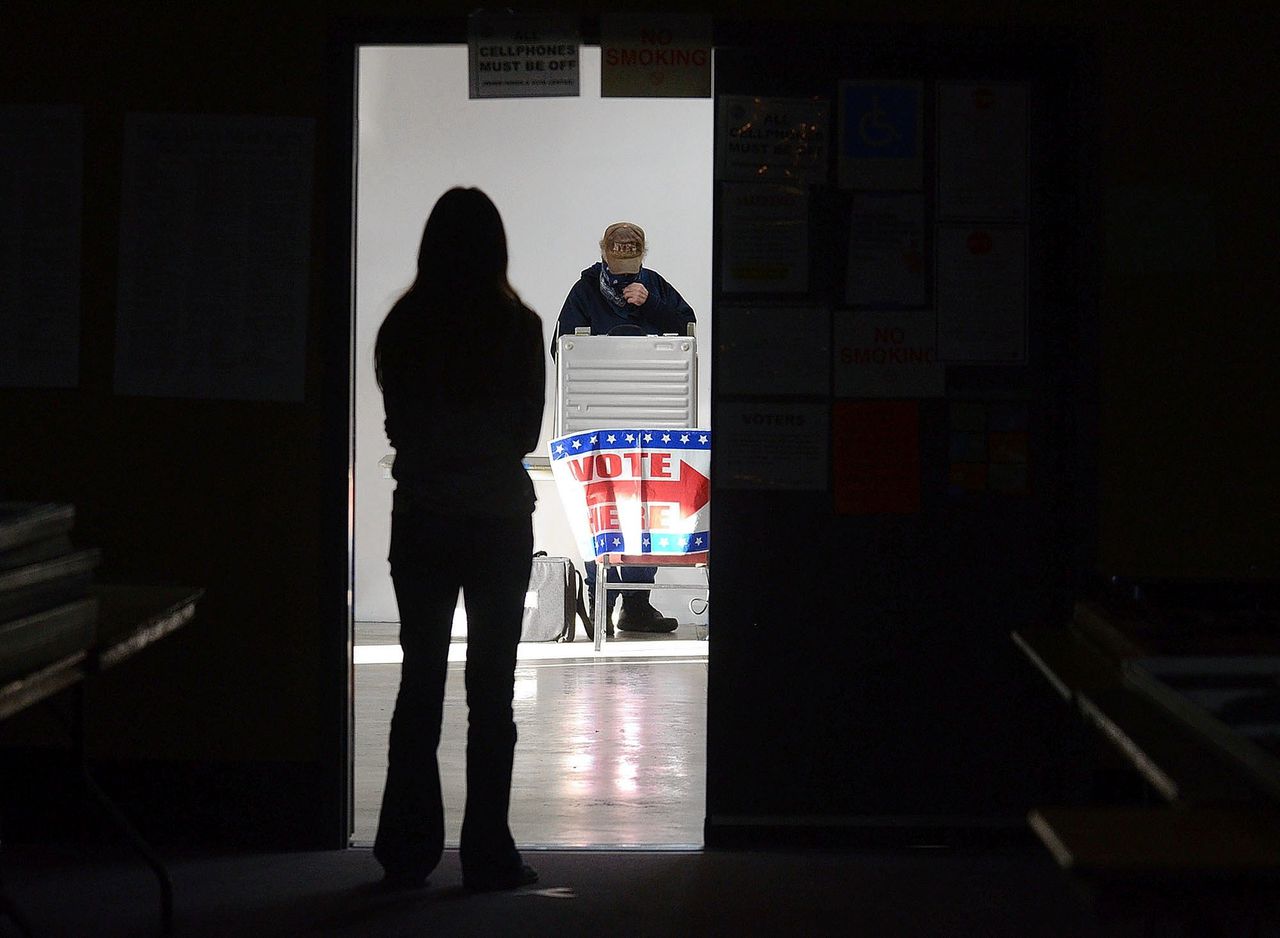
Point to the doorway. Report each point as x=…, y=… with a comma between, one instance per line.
x=612, y=747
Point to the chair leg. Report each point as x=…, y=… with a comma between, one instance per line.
x=601, y=603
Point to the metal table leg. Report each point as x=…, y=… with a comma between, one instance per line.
x=122, y=823
x=601, y=610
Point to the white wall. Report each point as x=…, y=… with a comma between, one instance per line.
x=560, y=170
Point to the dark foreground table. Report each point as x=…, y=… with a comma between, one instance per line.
x=1161, y=691
x=130, y=618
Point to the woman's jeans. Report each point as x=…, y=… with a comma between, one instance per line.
x=432, y=556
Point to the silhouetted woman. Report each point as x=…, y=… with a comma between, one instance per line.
x=460, y=362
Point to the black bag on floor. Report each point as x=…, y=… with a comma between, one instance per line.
x=553, y=601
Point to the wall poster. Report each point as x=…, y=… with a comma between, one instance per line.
x=772, y=446
x=513, y=55
x=887, y=257
x=215, y=257
x=875, y=457
x=982, y=151
x=881, y=135
x=766, y=238
x=773, y=350
x=41, y=167
x=887, y=354
x=655, y=55
x=772, y=139
x=982, y=293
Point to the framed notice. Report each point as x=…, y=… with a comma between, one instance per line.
x=41, y=163
x=766, y=238
x=887, y=354
x=512, y=55
x=887, y=252
x=772, y=139
x=772, y=446
x=773, y=350
x=881, y=135
x=982, y=293
x=655, y=55
x=215, y=257
x=875, y=459
x=982, y=151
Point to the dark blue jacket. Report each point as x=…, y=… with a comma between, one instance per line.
x=664, y=311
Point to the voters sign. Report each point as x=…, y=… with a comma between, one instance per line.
x=521, y=56
x=636, y=490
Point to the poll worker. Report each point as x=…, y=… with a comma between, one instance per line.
x=618, y=295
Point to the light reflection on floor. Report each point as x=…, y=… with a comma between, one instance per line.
x=611, y=750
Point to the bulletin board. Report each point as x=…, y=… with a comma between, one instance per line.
x=943, y=278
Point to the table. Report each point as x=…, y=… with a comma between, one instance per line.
x=1209, y=846
x=130, y=618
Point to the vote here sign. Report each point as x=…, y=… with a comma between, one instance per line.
x=636, y=491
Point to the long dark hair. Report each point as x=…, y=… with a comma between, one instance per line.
x=460, y=307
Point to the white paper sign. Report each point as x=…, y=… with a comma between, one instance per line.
x=887, y=354
x=635, y=491
x=513, y=55
x=886, y=250
x=766, y=238
x=41, y=160
x=880, y=135
x=773, y=350
x=982, y=293
x=982, y=151
x=772, y=446
x=215, y=252
x=773, y=139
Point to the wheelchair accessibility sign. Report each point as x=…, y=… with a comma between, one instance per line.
x=880, y=135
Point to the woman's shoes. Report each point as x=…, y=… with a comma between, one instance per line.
x=521, y=875
x=402, y=880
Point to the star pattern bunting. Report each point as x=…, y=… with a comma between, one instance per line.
x=599, y=441
x=676, y=441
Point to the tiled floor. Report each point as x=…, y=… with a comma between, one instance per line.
x=612, y=748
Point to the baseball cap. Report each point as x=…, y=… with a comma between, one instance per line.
x=622, y=247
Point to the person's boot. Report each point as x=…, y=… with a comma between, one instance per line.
x=642, y=617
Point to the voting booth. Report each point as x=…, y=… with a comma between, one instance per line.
x=610, y=381
x=631, y=466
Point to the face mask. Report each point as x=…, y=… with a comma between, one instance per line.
x=617, y=281
x=611, y=284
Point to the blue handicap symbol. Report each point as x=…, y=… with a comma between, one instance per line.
x=880, y=121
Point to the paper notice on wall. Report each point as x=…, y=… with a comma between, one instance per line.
x=215, y=251
x=875, y=457
x=880, y=135
x=772, y=139
x=982, y=293
x=513, y=55
x=658, y=55
x=766, y=238
x=773, y=350
x=772, y=446
x=41, y=164
x=887, y=266
x=990, y=448
x=887, y=354
x=982, y=151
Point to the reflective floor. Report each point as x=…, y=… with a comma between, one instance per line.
x=612, y=747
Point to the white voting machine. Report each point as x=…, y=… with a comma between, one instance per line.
x=625, y=381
